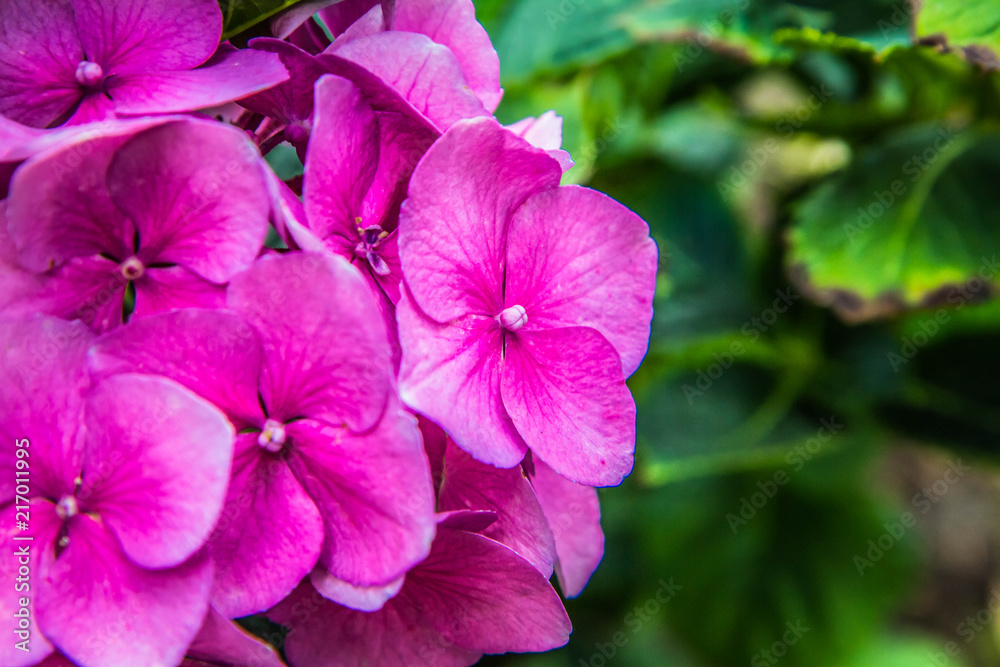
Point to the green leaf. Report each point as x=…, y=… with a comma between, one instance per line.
x=791, y=562
x=239, y=15
x=971, y=24
x=903, y=652
x=909, y=221
x=552, y=36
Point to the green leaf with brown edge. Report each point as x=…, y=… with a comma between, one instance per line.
x=911, y=219
x=972, y=25
x=240, y=15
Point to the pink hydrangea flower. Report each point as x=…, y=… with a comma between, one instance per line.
x=328, y=467
x=442, y=37
x=470, y=596
x=467, y=484
x=358, y=165
x=573, y=513
x=541, y=515
x=84, y=60
x=126, y=480
x=527, y=305
x=174, y=211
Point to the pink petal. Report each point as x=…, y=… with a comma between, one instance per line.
x=268, y=536
x=428, y=75
x=18, y=283
x=93, y=107
x=162, y=458
x=229, y=75
x=371, y=23
x=379, y=94
x=481, y=595
x=39, y=53
x=374, y=492
x=197, y=195
x=325, y=351
x=121, y=615
x=324, y=633
x=60, y=207
x=215, y=354
x=169, y=288
x=574, y=514
x=471, y=521
x=453, y=227
x=91, y=289
x=132, y=36
x=220, y=641
x=340, y=16
x=585, y=260
x=42, y=365
x=291, y=101
x=565, y=392
x=450, y=373
x=402, y=143
x=452, y=23
x=520, y=524
x=545, y=132
x=362, y=598
x=341, y=162
x=14, y=137
x=44, y=527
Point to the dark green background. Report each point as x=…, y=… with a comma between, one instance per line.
x=749, y=135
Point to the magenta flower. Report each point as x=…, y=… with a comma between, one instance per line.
x=544, y=132
x=126, y=480
x=328, y=467
x=174, y=211
x=573, y=513
x=527, y=305
x=549, y=520
x=84, y=60
x=358, y=164
x=467, y=484
x=472, y=595
x=442, y=33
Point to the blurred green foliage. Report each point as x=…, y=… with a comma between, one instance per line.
x=822, y=179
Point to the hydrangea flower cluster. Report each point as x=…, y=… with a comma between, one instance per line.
x=383, y=430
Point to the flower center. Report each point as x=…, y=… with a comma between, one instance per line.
x=67, y=507
x=367, y=248
x=297, y=132
x=132, y=268
x=272, y=437
x=89, y=74
x=513, y=318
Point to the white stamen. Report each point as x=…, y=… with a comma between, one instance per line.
x=513, y=318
